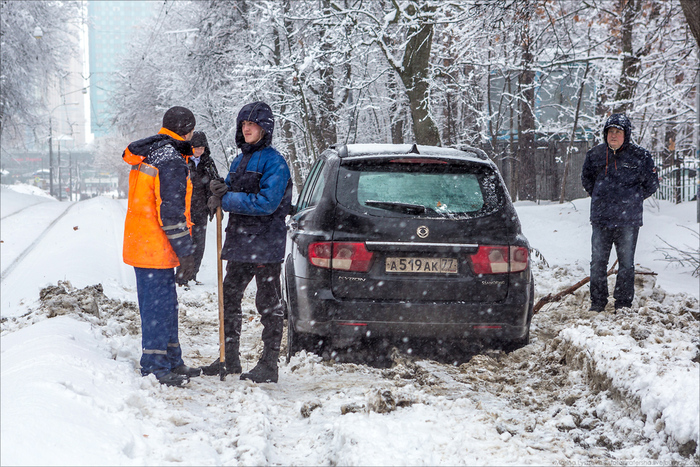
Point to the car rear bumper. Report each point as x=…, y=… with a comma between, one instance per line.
x=351, y=331
x=321, y=314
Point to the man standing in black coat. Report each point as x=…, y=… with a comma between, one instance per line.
x=202, y=171
x=619, y=176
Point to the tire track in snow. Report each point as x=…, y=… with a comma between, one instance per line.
x=33, y=245
x=20, y=210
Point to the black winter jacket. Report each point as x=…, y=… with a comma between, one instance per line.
x=618, y=181
x=201, y=174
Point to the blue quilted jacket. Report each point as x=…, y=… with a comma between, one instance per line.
x=259, y=197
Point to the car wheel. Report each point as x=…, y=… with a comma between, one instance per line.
x=515, y=344
x=297, y=341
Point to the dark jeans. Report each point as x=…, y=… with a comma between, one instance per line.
x=625, y=240
x=199, y=237
x=158, y=307
x=268, y=301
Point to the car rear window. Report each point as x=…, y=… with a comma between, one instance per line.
x=430, y=188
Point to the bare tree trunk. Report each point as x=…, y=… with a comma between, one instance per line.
x=286, y=125
x=449, y=130
x=414, y=74
x=326, y=112
x=562, y=196
x=527, y=186
x=348, y=101
x=631, y=61
x=691, y=10
x=670, y=146
x=512, y=150
x=489, y=110
x=395, y=111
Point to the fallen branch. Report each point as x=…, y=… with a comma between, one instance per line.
x=558, y=296
x=688, y=257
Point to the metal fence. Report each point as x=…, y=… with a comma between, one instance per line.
x=678, y=177
x=549, y=167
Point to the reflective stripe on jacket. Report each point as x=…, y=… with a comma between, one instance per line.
x=156, y=230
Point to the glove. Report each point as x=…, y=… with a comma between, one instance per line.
x=218, y=187
x=212, y=203
x=185, y=272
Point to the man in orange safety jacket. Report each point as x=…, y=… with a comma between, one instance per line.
x=157, y=240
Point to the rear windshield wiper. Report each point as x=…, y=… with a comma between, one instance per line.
x=398, y=207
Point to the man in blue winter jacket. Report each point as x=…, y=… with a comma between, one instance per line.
x=619, y=176
x=257, y=194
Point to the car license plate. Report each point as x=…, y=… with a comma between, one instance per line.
x=422, y=265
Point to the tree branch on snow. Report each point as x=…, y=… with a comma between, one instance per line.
x=569, y=290
x=685, y=257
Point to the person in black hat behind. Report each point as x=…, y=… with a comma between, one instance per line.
x=202, y=171
x=257, y=194
x=619, y=176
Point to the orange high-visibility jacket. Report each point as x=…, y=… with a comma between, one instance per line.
x=157, y=226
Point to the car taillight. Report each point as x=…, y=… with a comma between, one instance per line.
x=518, y=258
x=499, y=259
x=320, y=254
x=345, y=256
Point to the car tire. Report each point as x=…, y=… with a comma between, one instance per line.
x=515, y=344
x=296, y=341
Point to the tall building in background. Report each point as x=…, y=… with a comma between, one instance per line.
x=111, y=27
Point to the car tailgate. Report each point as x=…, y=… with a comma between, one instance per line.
x=406, y=267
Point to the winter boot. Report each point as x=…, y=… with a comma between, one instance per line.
x=171, y=379
x=233, y=361
x=266, y=369
x=232, y=367
x=188, y=371
x=212, y=369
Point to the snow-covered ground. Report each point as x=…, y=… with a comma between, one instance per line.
x=590, y=389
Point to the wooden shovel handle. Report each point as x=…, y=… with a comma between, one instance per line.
x=220, y=279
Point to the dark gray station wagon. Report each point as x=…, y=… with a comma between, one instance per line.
x=405, y=241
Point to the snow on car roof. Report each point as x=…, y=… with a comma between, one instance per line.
x=352, y=150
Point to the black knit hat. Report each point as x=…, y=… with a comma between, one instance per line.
x=179, y=120
x=199, y=140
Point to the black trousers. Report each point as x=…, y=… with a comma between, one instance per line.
x=268, y=301
x=199, y=237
